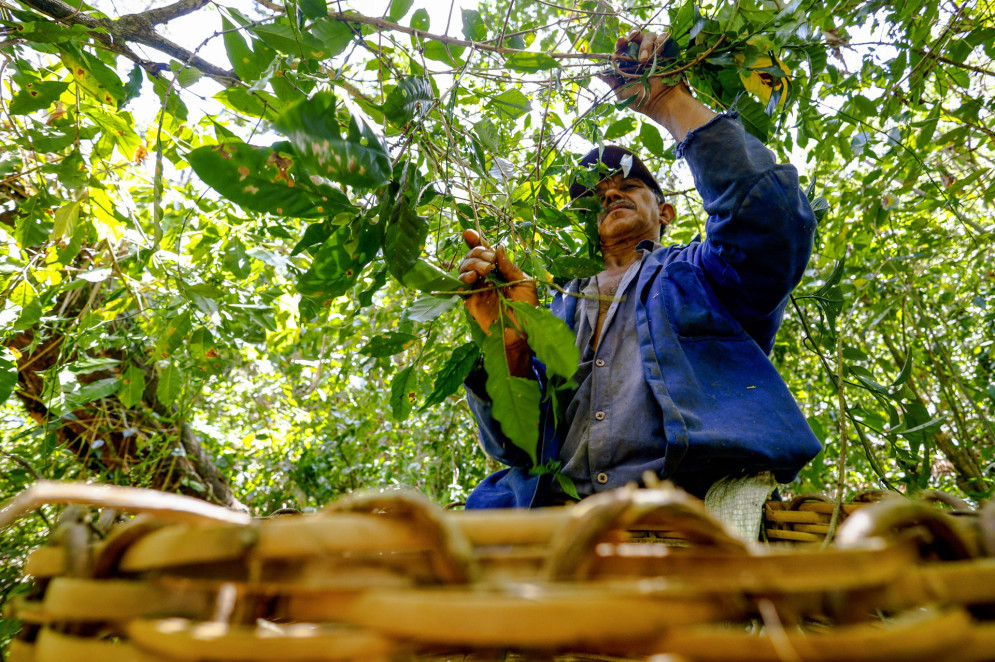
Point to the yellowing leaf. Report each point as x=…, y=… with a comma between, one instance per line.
x=760, y=81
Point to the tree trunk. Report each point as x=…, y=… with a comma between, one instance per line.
x=144, y=444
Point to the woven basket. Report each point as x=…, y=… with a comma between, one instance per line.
x=390, y=576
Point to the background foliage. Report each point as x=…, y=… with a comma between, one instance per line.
x=225, y=265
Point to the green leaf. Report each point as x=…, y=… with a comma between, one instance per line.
x=313, y=8
x=170, y=384
x=488, y=134
x=574, y=267
x=335, y=268
x=387, y=344
x=185, y=76
x=398, y=9
x=8, y=373
x=405, y=239
x=411, y=98
x=567, y=485
x=264, y=179
x=549, y=337
x=427, y=277
x=335, y=35
x=102, y=388
x=754, y=117
x=903, y=376
x=358, y=158
x=453, y=373
x=402, y=393
x=474, y=28
x=120, y=128
x=420, y=20
x=50, y=32
x=529, y=63
x=249, y=65
x=94, y=77
x=514, y=400
x=282, y=37
x=37, y=95
x=66, y=218
x=88, y=365
x=72, y=171
x=651, y=139
x=133, y=86
x=254, y=104
x=447, y=53
x=176, y=331
x=427, y=309
x=620, y=128
x=511, y=104
x=928, y=425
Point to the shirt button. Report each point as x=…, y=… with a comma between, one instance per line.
x=602, y=478
x=600, y=363
x=600, y=416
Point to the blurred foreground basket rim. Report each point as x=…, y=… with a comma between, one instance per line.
x=388, y=575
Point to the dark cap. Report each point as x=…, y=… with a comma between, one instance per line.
x=611, y=159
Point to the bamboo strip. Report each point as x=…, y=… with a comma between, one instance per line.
x=297, y=537
x=177, y=639
x=798, y=536
x=927, y=636
x=47, y=561
x=796, y=516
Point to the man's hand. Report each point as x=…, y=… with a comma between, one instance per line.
x=625, y=80
x=484, y=305
x=671, y=106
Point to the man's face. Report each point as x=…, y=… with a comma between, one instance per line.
x=630, y=211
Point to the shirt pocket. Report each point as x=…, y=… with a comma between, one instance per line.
x=694, y=310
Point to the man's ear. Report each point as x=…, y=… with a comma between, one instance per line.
x=667, y=213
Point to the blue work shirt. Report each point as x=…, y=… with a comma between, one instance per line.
x=614, y=430
x=705, y=317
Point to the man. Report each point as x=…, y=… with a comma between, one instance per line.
x=674, y=376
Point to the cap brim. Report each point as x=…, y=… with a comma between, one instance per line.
x=613, y=158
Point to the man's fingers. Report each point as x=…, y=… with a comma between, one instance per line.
x=648, y=46
x=471, y=238
x=506, y=267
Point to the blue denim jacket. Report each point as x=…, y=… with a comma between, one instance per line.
x=706, y=317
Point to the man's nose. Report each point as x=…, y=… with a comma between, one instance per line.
x=611, y=194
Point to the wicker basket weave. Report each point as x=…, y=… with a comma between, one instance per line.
x=390, y=576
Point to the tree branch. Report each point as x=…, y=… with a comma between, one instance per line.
x=137, y=28
x=452, y=41
x=961, y=65
x=168, y=13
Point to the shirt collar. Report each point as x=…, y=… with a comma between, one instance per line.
x=648, y=245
